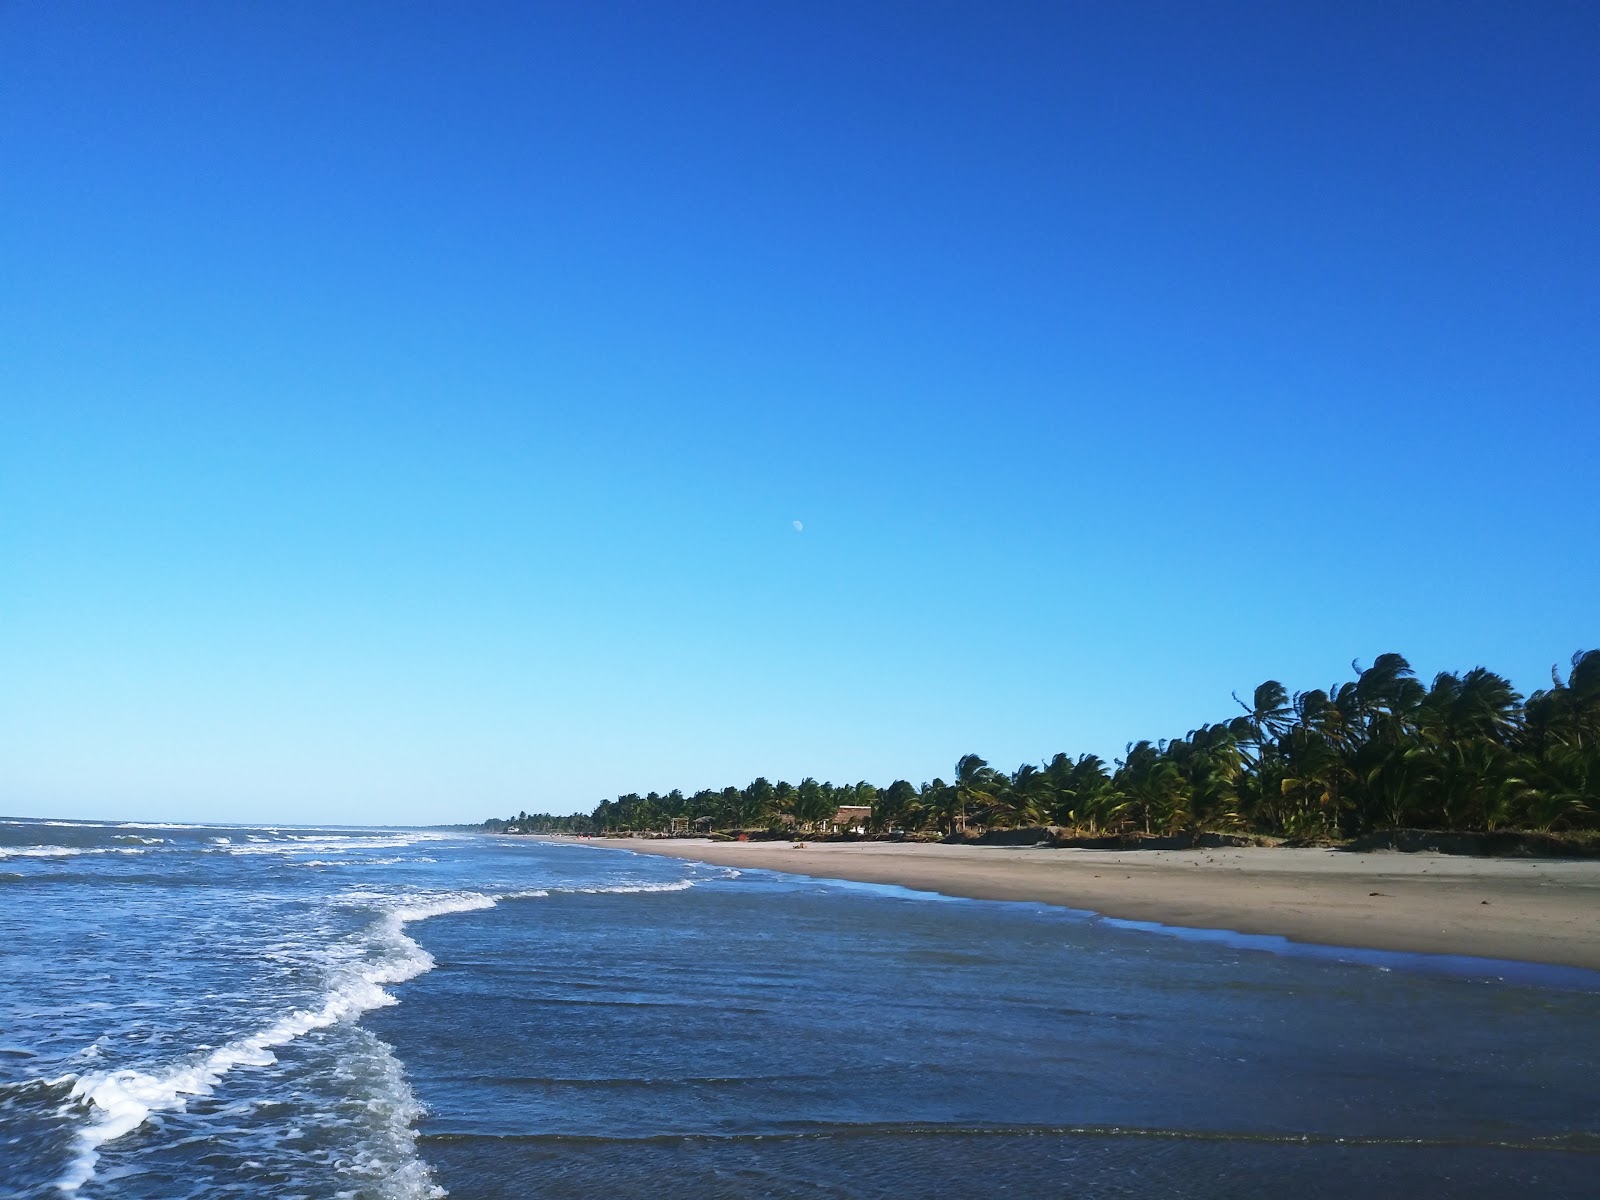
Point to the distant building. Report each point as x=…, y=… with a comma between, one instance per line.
x=853, y=818
x=686, y=826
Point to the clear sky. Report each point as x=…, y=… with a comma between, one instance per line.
x=407, y=407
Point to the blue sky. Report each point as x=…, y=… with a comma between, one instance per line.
x=406, y=407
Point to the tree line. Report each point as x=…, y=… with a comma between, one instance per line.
x=1380, y=751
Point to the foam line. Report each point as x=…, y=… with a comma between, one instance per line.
x=125, y=1099
x=628, y=888
x=121, y=1101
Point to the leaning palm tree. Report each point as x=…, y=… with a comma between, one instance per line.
x=974, y=784
x=1568, y=786
x=1084, y=795
x=1457, y=714
x=893, y=806
x=938, y=802
x=1156, y=792
x=1024, y=799
x=1380, y=715
x=1269, y=711
x=1214, y=763
x=1583, y=690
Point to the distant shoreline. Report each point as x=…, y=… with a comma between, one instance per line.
x=1539, y=910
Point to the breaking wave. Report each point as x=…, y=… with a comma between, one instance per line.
x=117, y=1102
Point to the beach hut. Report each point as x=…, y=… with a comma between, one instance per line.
x=852, y=818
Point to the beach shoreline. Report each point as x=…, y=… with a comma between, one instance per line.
x=1540, y=911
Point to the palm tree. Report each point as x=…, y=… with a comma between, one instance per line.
x=759, y=798
x=1083, y=792
x=1153, y=786
x=813, y=803
x=1024, y=798
x=1560, y=739
x=1214, y=761
x=1457, y=714
x=864, y=793
x=1315, y=771
x=939, y=802
x=974, y=784
x=1380, y=711
x=1268, y=712
x=892, y=806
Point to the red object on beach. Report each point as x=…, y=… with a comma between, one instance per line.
x=744, y=837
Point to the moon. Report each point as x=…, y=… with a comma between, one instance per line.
x=799, y=526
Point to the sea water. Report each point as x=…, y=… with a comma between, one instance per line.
x=281, y=1012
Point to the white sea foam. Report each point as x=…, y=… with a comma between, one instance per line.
x=385, y=1152
x=295, y=845
x=123, y=1100
x=354, y=862
x=363, y=837
x=677, y=886
x=120, y=1101
x=65, y=851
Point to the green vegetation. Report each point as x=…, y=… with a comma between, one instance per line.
x=1381, y=751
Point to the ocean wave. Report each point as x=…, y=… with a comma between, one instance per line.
x=65, y=851
x=356, y=862
x=122, y=1100
x=116, y=1102
x=291, y=846
x=386, y=1146
x=367, y=837
x=679, y=885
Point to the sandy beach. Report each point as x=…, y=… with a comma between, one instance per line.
x=1535, y=910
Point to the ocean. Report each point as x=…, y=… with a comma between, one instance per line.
x=191, y=1011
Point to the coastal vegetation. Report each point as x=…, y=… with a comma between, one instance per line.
x=1380, y=751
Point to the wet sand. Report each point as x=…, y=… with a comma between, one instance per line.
x=1535, y=910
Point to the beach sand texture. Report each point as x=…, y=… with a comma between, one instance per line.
x=1533, y=910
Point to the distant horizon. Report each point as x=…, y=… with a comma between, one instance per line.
x=581, y=808
x=413, y=416
x=136, y=823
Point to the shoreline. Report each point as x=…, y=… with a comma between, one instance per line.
x=1537, y=911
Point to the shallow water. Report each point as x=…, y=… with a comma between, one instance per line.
x=285, y=1012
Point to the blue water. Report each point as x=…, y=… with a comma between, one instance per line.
x=192, y=1011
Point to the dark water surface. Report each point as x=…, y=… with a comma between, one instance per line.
x=289, y=1012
